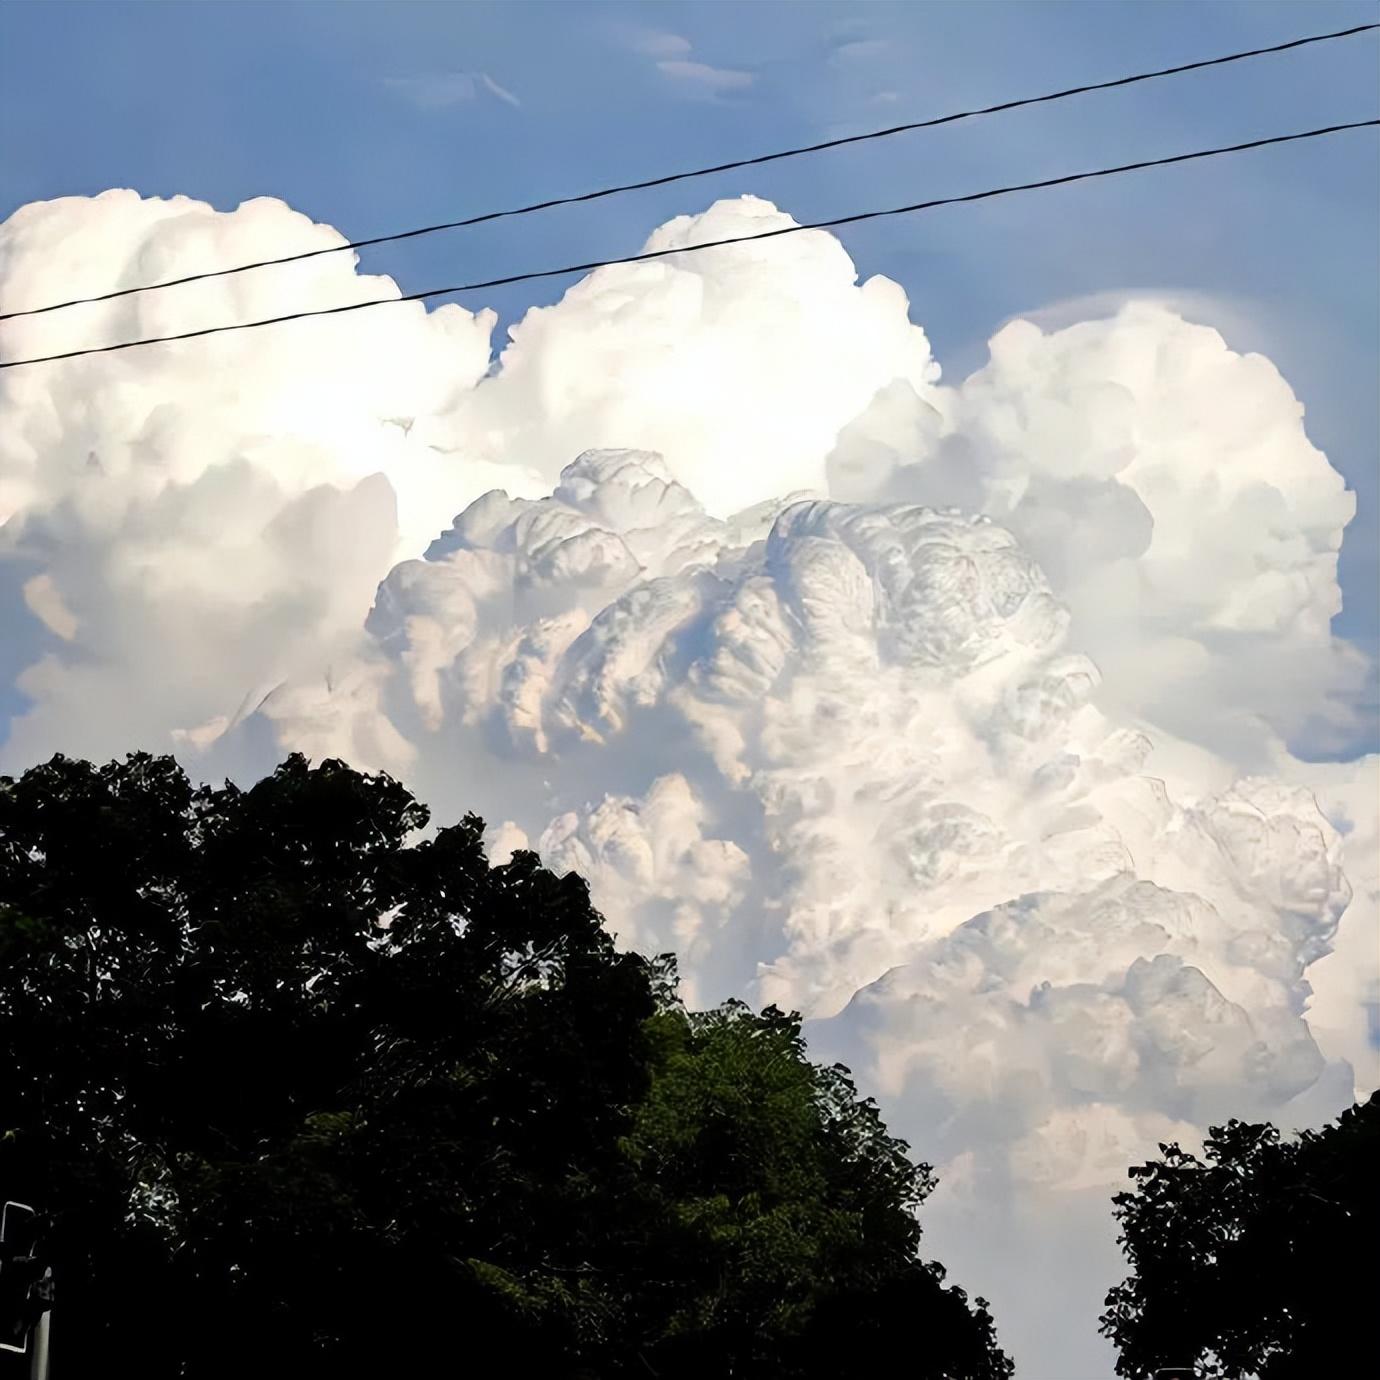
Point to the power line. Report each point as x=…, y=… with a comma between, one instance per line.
x=696, y=248
x=669, y=178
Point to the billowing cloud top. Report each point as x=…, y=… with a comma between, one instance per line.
x=951, y=715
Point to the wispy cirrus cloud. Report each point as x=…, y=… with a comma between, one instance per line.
x=657, y=44
x=860, y=50
x=701, y=74
x=440, y=90
x=672, y=54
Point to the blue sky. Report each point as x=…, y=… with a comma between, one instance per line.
x=376, y=116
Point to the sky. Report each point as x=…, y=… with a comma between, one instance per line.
x=373, y=117
x=1023, y=762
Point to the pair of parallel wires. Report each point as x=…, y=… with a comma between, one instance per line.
x=669, y=178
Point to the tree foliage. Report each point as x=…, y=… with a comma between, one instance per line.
x=783, y=1238
x=1255, y=1260
x=302, y=1093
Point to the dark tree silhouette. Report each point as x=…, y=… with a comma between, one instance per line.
x=302, y=1094
x=1256, y=1260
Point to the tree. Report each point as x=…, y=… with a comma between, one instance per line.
x=776, y=1217
x=1254, y=1260
x=300, y=1093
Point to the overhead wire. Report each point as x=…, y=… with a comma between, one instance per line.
x=648, y=255
x=669, y=178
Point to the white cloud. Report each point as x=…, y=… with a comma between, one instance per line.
x=673, y=57
x=494, y=89
x=202, y=524
x=951, y=715
x=45, y=603
x=438, y=91
x=861, y=50
x=1139, y=451
x=701, y=74
x=778, y=334
x=662, y=45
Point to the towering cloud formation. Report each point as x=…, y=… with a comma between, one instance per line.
x=188, y=524
x=1167, y=487
x=952, y=716
x=738, y=365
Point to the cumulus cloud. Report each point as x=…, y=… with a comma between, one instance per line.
x=737, y=365
x=1168, y=489
x=952, y=715
x=188, y=527
x=844, y=757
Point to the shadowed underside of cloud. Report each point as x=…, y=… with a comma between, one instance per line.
x=954, y=716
